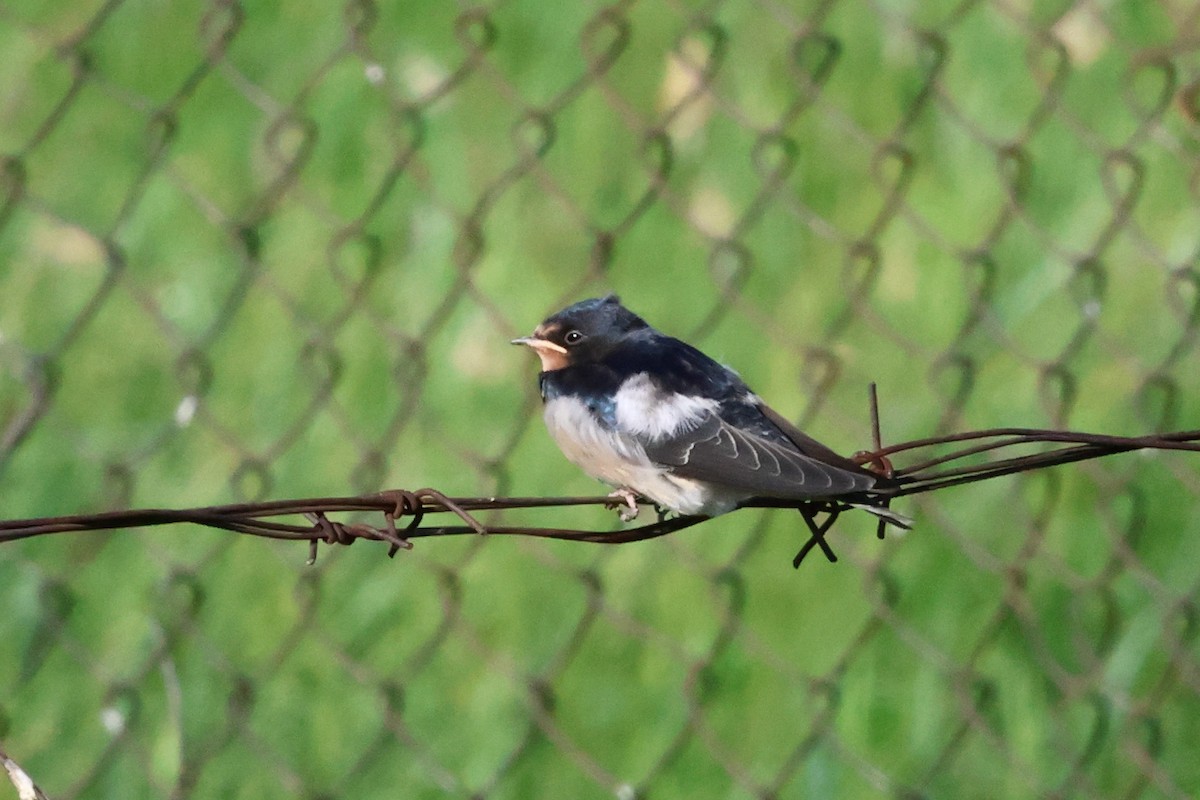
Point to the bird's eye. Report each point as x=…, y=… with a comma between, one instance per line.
x=573, y=337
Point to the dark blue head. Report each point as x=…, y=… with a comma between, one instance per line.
x=582, y=332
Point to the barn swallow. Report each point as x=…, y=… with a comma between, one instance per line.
x=653, y=416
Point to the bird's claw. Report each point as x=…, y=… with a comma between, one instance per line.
x=626, y=500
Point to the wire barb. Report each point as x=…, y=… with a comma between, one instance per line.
x=818, y=530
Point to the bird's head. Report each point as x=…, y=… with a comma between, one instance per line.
x=583, y=332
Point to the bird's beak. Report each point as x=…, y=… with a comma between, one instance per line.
x=540, y=344
x=553, y=356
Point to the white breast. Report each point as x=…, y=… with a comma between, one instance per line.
x=601, y=453
x=618, y=459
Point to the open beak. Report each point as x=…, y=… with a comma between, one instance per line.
x=553, y=356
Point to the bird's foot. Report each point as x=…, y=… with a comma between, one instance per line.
x=626, y=500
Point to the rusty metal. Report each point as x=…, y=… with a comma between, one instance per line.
x=258, y=519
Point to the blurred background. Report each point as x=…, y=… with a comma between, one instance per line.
x=268, y=250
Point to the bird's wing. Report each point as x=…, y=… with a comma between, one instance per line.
x=805, y=443
x=715, y=451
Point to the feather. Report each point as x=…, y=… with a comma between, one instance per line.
x=716, y=452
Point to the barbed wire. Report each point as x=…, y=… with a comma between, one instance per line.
x=931, y=474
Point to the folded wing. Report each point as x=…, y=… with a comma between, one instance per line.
x=717, y=452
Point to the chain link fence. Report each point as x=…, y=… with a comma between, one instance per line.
x=272, y=250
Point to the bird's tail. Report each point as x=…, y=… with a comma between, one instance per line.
x=886, y=514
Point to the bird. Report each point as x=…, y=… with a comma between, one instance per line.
x=654, y=417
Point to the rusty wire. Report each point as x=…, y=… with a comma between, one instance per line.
x=930, y=474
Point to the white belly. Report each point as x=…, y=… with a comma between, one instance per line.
x=621, y=461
